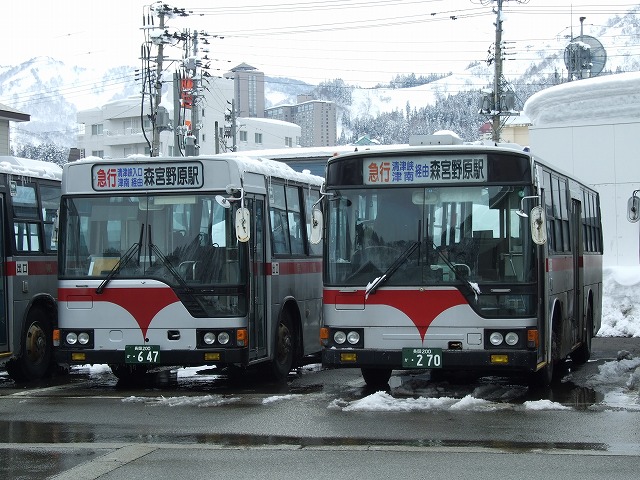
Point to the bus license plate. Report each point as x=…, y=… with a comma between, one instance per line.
x=422, y=358
x=142, y=353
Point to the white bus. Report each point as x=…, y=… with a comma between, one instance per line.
x=29, y=200
x=188, y=261
x=458, y=257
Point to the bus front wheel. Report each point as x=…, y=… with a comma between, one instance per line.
x=283, y=355
x=35, y=359
x=129, y=374
x=376, y=377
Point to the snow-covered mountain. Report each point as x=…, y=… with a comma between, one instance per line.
x=52, y=92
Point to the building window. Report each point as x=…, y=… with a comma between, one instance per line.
x=96, y=129
x=258, y=138
x=288, y=141
x=252, y=100
x=243, y=136
x=97, y=153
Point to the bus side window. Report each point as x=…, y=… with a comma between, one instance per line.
x=279, y=231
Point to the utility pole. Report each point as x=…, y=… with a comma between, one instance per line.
x=155, y=143
x=497, y=86
x=231, y=131
x=192, y=148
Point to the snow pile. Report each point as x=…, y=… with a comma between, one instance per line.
x=620, y=308
x=384, y=402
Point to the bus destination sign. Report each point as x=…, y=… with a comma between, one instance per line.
x=147, y=176
x=430, y=169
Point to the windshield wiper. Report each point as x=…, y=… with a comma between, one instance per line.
x=373, y=286
x=475, y=289
x=134, y=249
x=166, y=262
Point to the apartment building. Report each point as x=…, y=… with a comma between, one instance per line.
x=317, y=120
x=248, y=85
x=122, y=127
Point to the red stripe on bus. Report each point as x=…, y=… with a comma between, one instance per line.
x=558, y=264
x=293, y=267
x=422, y=307
x=155, y=299
x=34, y=267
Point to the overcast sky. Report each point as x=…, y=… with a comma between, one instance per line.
x=361, y=41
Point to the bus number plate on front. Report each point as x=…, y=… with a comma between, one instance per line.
x=142, y=353
x=422, y=358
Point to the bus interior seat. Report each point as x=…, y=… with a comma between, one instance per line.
x=487, y=255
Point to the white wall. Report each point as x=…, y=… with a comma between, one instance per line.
x=596, y=137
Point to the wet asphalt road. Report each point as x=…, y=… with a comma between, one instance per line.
x=86, y=426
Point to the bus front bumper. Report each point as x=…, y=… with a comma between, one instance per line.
x=231, y=356
x=469, y=360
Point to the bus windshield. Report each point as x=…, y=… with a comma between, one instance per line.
x=467, y=233
x=182, y=240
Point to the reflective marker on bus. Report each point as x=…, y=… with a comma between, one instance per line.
x=458, y=258
x=186, y=262
x=29, y=201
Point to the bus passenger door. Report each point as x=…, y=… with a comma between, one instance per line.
x=257, y=263
x=4, y=321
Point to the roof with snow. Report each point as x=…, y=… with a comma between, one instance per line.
x=8, y=113
x=589, y=100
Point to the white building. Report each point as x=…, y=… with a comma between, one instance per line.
x=265, y=133
x=116, y=128
x=8, y=114
x=591, y=128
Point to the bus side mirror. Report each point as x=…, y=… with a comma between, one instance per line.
x=633, y=209
x=316, y=226
x=243, y=222
x=538, y=225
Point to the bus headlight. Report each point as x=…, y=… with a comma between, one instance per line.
x=511, y=338
x=71, y=338
x=209, y=338
x=353, y=337
x=83, y=338
x=496, y=338
x=339, y=337
x=223, y=338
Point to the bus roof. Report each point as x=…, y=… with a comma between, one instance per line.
x=243, y=163
x=29, y=167
x=394, y=149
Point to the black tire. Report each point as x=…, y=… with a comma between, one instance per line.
x=376, y=377
x=583, y=353
x=36, y=358
x=129, y=374
x=285, y=348
x=546, y=376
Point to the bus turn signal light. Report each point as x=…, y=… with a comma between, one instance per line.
x=241, y=337
x=532, y=339
x=324, y=336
